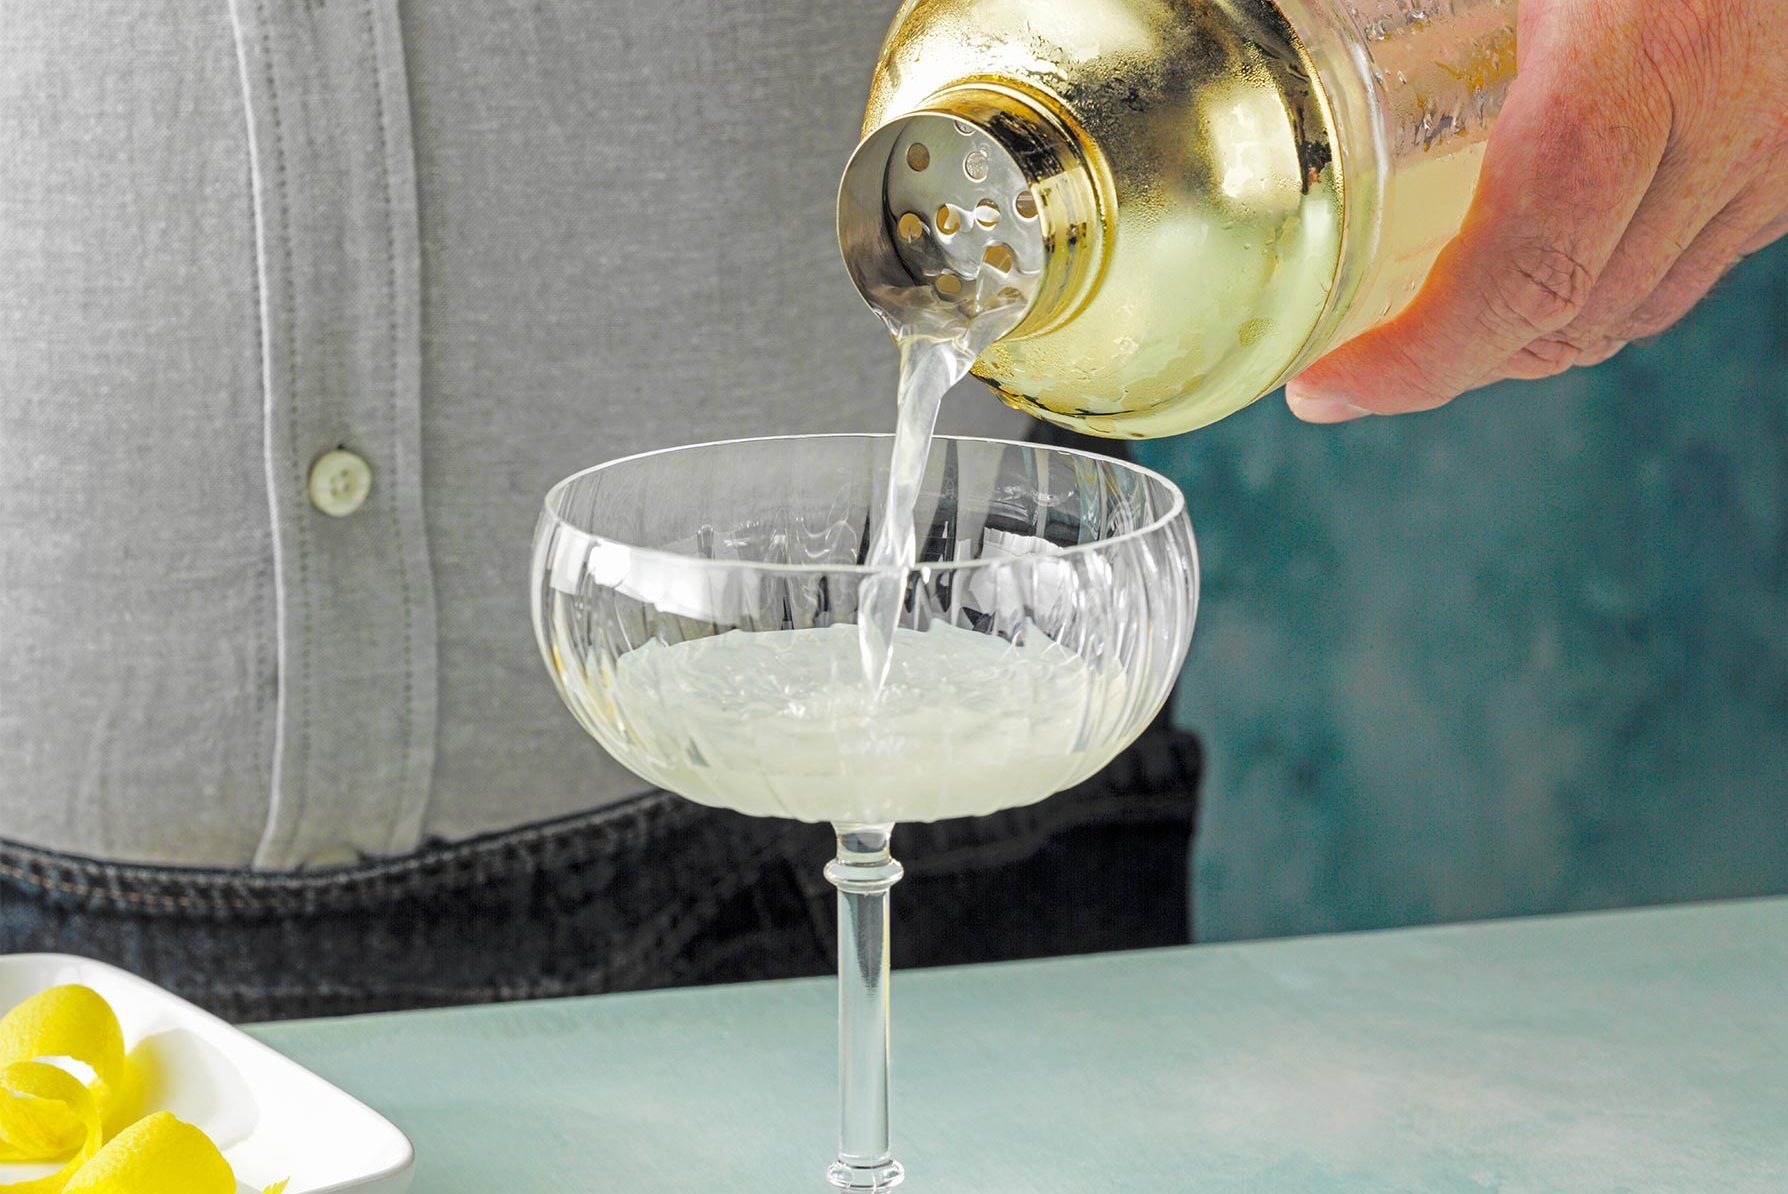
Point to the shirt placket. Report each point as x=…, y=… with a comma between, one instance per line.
x=334, y=187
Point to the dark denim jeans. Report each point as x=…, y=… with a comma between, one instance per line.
x=651, y=892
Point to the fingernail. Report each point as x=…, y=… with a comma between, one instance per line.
x=1323, y=408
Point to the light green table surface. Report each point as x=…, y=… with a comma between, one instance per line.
x=1621, y=1051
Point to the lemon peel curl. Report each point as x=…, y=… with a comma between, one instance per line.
x=47, y=1114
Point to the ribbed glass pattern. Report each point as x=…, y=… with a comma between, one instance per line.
x=697, y=610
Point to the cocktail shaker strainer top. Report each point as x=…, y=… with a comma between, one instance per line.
x=1190, y=200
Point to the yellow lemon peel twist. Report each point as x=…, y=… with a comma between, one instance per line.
x=72, y=1022
x=47, y=1114
x=41, y=1107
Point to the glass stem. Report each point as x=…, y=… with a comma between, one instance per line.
x=863, y=872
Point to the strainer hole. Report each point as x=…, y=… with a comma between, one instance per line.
x=911, y=228
x=987, y=213
x=965, y=128
x=948, y=285
x=948, y=222
x=999, y=257
x=918, y=156
x=975, y=165
x=1025, y=204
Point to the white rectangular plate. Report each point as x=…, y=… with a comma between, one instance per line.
x=272, y=1117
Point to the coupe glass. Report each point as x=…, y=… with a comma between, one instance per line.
x=697, y=610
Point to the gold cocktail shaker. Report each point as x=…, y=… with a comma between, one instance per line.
x=1193, y=199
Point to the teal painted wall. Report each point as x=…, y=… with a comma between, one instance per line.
x=1525, y=654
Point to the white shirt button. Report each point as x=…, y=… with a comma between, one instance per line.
x=339, y=483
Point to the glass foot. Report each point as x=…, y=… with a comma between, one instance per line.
x=866, y=1178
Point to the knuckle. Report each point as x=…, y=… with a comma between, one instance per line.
x=1580, y=339
x=1554, y=352
x=1535, y=362
x=1544, y=288
x=1552, y=355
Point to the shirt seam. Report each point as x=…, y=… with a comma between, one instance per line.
x=285, y=798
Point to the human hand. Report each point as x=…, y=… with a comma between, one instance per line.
x=1642, y=152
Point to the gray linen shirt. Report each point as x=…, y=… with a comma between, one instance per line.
x=479, y=245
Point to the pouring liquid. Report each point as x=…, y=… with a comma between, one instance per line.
x=933, y=357
x=968, y=231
